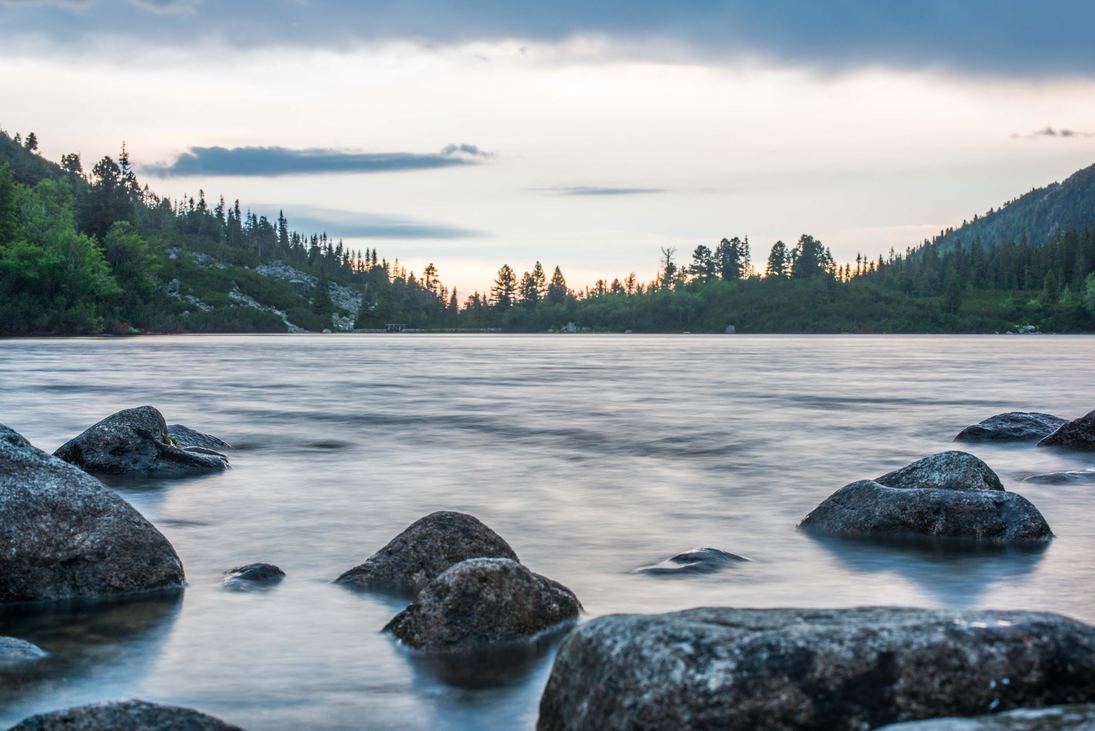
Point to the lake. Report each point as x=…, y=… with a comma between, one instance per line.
x=591, y=455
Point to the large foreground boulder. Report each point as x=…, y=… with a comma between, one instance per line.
x=424, y=550
x=63, y=534
x=1014, y=426
x=481, y=602
x=131, y=715
x=947, y=495
x=14, y=651
x=722, y=668
x=1076, y=434
x=136, y=442
x=1080, y=717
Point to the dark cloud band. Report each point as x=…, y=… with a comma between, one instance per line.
x=1013, y=37
x=360, y=225
x=595, y=190
x=276, y=161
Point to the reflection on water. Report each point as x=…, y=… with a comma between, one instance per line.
x=593, y=456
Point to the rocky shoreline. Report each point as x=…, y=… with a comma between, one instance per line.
x=66, y=535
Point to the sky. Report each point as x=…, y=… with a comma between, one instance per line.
x=472, y=133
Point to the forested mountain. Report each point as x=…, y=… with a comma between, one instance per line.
x=85, y=252
x=1037, y=216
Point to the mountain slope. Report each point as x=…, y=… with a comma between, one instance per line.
x=1038, y=216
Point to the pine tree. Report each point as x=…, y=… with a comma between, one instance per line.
x=557, y=289
x=779, y=261
x=504, y=291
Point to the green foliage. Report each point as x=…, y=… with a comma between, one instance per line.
x=52, y=279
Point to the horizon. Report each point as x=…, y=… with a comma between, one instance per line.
x=577, y=139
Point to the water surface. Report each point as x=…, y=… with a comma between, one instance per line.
x=592, y=455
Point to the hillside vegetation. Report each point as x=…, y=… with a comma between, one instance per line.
x=87, y=252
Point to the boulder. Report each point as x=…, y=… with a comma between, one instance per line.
x=1014, y=426
x=844, y=669
x=136, y=442
x=1076, y=434
x=253, y=576
x=1063, y=478
x=66, y=535
x=424, y=550
x=944, y=471
x=947, y=495
x=481, y=602
x=16, y=652
x=133, y=715
x=696, y=561
x=188, y=438
x=1080, y=717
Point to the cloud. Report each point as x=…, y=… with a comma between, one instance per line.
x=360, y=225
x=277, y=161
x=594, y=190
x=1001, y=37
x=168, y=7
x=1063, y=133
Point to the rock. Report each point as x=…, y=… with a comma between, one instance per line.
x=696, y=561
x=66, y=535
x=424, y=550
x=868, y=509
x=844, y=669
x=480, y=602
x=136, y=442
x=133, y=715
x=1014, y=426
x=947, y=495
x=1080, y=717
x=188, y=438
x=16, y=652
x=945, y=471
x=1063, y=478
x=253, y=576
x=1076, y=434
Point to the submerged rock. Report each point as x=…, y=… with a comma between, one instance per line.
x=947, y=495
x=14, y=651
x=812, y=668
x=188, y=438
x=1080, y=717
x=424, y=550
x=945, y=471
x=136, y=442
x=1076, y=434
x=66, y=535
x=696, y=561
x=1063, y=478
x=253, y=576
x=1014, y=426
x=480, y=602
x=133, y=715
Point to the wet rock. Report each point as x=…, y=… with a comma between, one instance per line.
x=14, y=651
x=696, y=561
x=1014, y=426
x=133, y=715
x=945, y=471
x=188, y=438
x=1076, y=434
x=136, y=442
x=253, y=576
x=1063, y=478
x=812, y=668
x=66, y=535
x=1080, y=717
x=424, y=550
x=947, y=495
x=481, y=602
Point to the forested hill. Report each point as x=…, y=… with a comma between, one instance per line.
x=1037, y=216
x=95, y=251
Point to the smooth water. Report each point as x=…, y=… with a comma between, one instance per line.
x=591, y=455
